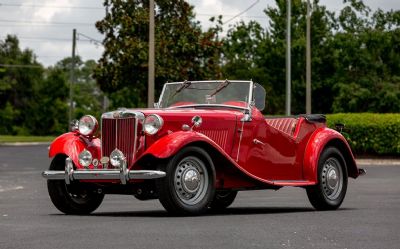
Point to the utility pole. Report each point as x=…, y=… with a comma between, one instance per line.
x=150, y=93
x=288, y=61
x=308, y=61
x=71, y=76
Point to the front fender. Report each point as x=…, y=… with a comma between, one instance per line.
x=320, y=139
x=71, y=144
x=172, y=143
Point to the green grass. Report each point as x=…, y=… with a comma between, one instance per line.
x=21, y=139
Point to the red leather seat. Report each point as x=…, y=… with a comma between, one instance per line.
x=285, y=125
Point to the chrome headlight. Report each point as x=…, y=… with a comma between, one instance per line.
x=152, y=124
x=85, y=158
x=117, y=158
x=87, y=125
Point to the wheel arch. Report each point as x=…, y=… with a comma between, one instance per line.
x=71, y=144
x=351, y=166
x=321, y=139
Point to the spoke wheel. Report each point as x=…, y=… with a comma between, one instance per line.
x=329, y=192
x=188, y=187
x=74, y=198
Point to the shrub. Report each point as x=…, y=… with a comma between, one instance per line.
x=370, y=133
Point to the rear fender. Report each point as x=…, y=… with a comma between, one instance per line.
x=320, y=139
x=71, y=144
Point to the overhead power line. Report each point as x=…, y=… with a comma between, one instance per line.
x=211, y=15
x=89, y=39
x=48, y=6
x=241, y=13
x=47, y=23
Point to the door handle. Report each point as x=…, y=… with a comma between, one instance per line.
x=256, y=141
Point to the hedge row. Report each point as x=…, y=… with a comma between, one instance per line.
x=370, y=133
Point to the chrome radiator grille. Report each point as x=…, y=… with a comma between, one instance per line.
x=119, y=133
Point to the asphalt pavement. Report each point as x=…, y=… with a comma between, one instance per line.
x=368, y=218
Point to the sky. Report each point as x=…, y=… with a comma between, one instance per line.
x=45, y=26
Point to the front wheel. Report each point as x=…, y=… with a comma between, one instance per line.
x=330, y=191
x=73, y=198
x=188, y=187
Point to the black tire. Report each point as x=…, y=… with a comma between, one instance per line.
x=71, y=199
x=331, y=189
x=223, y=199
x=188, y=187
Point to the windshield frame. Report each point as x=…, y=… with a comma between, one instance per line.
x=249, y=103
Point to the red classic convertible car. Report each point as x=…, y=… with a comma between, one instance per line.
x=202, y=143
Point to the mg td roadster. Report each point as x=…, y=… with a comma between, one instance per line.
x=202, y=143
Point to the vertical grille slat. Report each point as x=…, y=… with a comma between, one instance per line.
x=119, y=134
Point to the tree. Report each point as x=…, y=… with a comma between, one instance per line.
x=87, y=97
x=367, y=67
x=267, y=49
x=183, y=50
x=17, y=86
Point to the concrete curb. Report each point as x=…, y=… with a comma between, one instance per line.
x=377, y=162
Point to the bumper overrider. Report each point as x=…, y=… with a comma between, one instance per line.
x=123, y=174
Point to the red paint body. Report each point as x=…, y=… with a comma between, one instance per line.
x=259, y=153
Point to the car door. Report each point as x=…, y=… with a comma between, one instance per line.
x=268, y=152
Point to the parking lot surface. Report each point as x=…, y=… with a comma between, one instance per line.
x=368, y=218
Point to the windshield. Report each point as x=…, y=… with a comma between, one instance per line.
x=226, y=92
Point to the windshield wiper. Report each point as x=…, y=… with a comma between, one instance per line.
x=184, y=85
x=220, y=87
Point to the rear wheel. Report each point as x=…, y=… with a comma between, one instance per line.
x=188, y=187
x=73, y=198
x=330, y=191
x=223, y=199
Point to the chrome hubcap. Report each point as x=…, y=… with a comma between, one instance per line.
x=191, y=180
x=332, y=178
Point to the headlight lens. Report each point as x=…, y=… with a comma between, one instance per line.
x=87, y=125
x=85, y=158
x=152, y=124
x=117, y=158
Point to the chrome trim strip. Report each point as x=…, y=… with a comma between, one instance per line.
x=103, y=175
x=209, y=105
x=123, y=113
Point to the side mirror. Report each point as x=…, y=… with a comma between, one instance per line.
x=156, y=105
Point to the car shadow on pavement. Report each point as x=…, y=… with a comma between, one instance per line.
x=228, y=211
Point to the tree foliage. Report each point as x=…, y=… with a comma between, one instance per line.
x=34, y=100
x=355, y=57
x=182, y=50
x=355, y=62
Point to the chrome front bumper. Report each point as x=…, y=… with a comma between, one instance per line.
x=124, y=174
